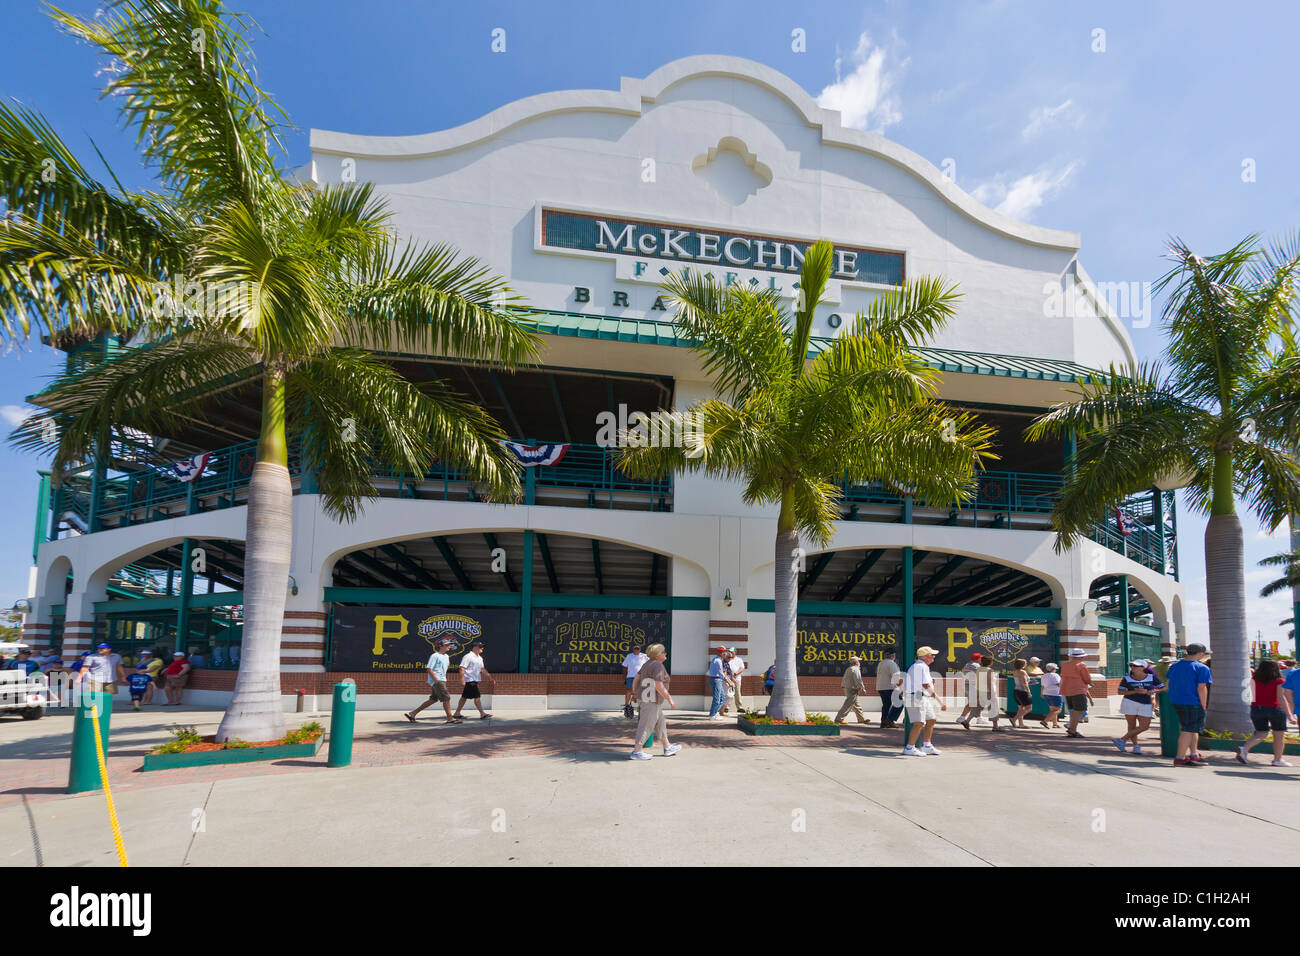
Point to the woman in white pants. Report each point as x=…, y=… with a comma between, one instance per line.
x=651, y=687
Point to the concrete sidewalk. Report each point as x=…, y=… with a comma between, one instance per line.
x=559, y=789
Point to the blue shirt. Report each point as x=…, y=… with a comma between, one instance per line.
x=1292, y=684
x=718, y=667
x=138, y=681
x=1148, y=683
x=1184, y=678
x=438, y=663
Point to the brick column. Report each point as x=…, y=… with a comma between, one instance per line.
x=78, y=624
x=302, y=642
x=1080, y=630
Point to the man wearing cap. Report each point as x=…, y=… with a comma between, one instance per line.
x=473, y=671
x=1189, y=683
x=920, y=698
x=851, y=684
x=889, y=677
x=102, y=670
x=632, y=663
x=438, y=693
x=719, y=682
x=1076, y=688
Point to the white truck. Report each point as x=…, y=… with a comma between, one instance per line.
x=19, y=693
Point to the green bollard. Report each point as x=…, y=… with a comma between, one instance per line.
x=343, y=717
x=1169, y=727
x=84, y=772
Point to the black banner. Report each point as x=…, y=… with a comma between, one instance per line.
x=823, y=645
x=590, y=641
x=1003, y=641
x=388, y=639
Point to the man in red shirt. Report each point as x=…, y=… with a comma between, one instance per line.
x=1076, y=688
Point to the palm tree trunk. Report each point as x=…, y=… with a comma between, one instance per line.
x=786, y=704
x=1225, y=591
x=255, y=711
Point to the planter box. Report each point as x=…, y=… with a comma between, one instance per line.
x=1263, y=747
x=237, y=755
x=787, y=730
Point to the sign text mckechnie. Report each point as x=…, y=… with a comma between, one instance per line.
x=677, y=243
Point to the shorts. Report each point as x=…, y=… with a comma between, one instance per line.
x=1191, y=718
x=1077, y=701
x=1267, y=718
x=471, y=691
x=1054, y=700
x=178, y=681
x=922, y=713
x=438, y=693
x=1022, y=698
x=629, y=681
x=1132, y=708
x=137, y=695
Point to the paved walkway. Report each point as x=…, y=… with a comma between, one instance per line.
x=557, y=788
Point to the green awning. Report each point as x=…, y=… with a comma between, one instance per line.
x=648, y=332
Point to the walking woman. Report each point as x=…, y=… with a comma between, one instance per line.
x=651, y=688
x=1024, y=702
x=1137, y=688
x=1268, y=713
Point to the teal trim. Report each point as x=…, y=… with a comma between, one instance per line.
x=185, y=595
x=140, y=605
x=1125, y=623
x=514, y=599
x=1146, y=630
x=42, y=514
x=607, y=602
x=648, y=332
x=908, y=648
x=947, y=611
x=684, y=603
x=526, y=597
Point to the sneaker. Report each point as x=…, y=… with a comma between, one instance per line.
x=717, y=717
x=639, y=755
x=1137, y=749
x=1122, y=744
x=1184, y=762
x=930, y=750
x=672, y=749
x=1241, y=755
x=409, y=717
x=1280, y=763
x=963, y=724
x=1197, y=757
x=137, y=706
x=910, y=751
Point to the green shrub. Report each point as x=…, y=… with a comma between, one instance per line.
x=234, y=743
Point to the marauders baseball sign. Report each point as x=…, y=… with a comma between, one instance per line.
x=823, y=645
x=385, y=639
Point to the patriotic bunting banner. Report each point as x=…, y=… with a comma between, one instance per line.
x=189, y=468
x=1126, y=524
x=531, y=456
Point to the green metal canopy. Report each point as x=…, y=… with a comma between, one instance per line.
x=650, y=332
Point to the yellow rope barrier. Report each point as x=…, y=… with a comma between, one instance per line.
x=108, y=794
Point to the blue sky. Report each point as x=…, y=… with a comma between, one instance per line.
x=1127, y=145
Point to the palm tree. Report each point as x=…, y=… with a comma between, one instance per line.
x=1289, y=561
x=309, y=279
x=1224, y=413
x=793, y=430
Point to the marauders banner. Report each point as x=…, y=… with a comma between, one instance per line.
x=823, y=645
x=1003, y=641
x=395, y=639
x=582, y=641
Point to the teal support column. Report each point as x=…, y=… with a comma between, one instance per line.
x=42, y=514
x=83, y=774
x=187, y=585
x=343, y=719
x=191, y=497
x=907, y=509
x=526, y=604
x=908, y=651
x=1158, y=513
x=530, y=486
x=1123, y=614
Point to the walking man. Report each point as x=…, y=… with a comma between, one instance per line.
x=1076, y=687
x=851, y=684
x=1189, y=683
x=652, y=682
x=473, y=671
x=438, y=693
x=919, y=695
x=719, y=682
x=631, y=664
x=102, y=671
x=737, y=668
x=888, y=676
x=973, y=706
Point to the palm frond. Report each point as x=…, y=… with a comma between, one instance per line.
x=911, y=314
x=813, y=276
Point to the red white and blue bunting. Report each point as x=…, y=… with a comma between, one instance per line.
x=190, y=468
x=530, y=456
x=1126, y=523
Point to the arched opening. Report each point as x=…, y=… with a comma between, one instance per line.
x=542, y=602
x=1128, y=617
x=187, y=596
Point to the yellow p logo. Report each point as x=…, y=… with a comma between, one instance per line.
x=954, y=643
x=382, y=633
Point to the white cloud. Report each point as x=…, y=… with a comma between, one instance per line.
x=867, y=98
x=1042, y=117
x=15, y=415
x=1022, y=196
x=1280, y=534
